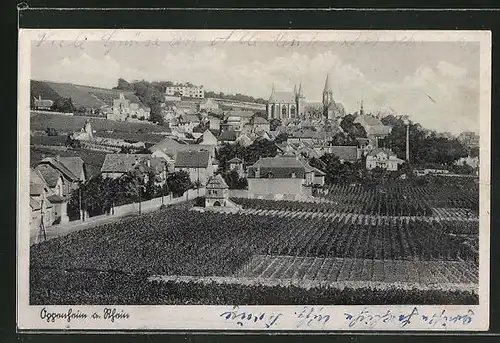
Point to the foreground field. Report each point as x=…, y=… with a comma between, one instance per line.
x=174, y=242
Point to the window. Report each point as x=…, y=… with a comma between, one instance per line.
x=293, y=176
x=283, y=110
x=292, y=110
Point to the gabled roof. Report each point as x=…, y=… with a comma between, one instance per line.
x=278, y=167
x=368, y=120
x=282, y=97
x=61, y=164
x=228, y=136
x=49, y=174
x=38, y=184
x=217, y=182
x=54, y=198
x=192, y=159
x=124, y=163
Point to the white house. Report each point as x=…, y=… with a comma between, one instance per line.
x=382, y=158
x=198, y=164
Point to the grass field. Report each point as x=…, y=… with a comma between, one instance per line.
x=67, y=124
x=176, y=243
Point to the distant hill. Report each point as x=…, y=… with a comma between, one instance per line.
x=82, y=96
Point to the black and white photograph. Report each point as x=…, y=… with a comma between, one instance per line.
x=335, y=179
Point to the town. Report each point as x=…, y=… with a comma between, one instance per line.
x=295, y=185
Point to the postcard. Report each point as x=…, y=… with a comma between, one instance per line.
x=253, y=180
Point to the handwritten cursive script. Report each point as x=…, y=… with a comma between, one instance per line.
x=242, y=318
x=367, y=318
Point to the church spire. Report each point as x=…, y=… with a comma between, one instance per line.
x=300, y=90
x=361, y=110
x=328, y=87
x=271, y=98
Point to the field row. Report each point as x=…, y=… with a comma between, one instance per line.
x=398, y=199
x=347, y=269
x=441, y=215
x=176, y=242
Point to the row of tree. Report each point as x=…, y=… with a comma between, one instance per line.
x=100, y=195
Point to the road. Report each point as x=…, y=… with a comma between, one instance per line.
x=61, y=230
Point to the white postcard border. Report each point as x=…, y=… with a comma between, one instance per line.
x=209, y=317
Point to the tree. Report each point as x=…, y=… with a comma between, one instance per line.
x=353, y=130
x=274, y=123
x=234, y=181
x=123, y=85
x=282, y=137
x=179, y=182
x=63, y=105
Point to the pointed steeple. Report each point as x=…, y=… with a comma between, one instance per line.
x=328, y=87
x=300, y=90
x=295, y=90
x=361, y=110
x=271, y=98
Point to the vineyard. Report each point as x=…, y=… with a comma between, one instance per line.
x=173, y=242
x=397, y=201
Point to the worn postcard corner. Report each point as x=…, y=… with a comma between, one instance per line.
x=253, y=180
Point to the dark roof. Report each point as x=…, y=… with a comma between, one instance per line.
x=278, y=167
x=305, y=133
x=37, y=182
x=227, y=136
x=49, y=174
x=192, y=159
x=368, y=120
x=346, y=153
x=282, y=97
x=60, y=163
x=217, y=182
x=123, y=163
x=74, y=164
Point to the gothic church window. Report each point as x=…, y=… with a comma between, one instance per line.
x=283, y=110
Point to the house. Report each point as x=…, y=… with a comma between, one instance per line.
x=470, y=161
x=188, y=122
x=236, y=164
x=229, y=136
x=46, y=205
x=120, y=110
x=345, y=153
x=198, y=164
x=260, y=124
x=303, y=135
x=208, y=138
x=140, y=111
x=282, y=177
x=170, y=146
x=42, y=104
x=374, y=128
x=214, y=123
x=117, y=165
x=244, y=140
x=71, y=170
x=208, y=105
x=382, y=158
x=217, y=192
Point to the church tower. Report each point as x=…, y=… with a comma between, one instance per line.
x=300, y=99
x=361, y=110
x=328, y=102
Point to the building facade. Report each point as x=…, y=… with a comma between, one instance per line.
x=186, y=91
x=382, y=158
x=286, y=105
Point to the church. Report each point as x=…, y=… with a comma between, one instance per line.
x=286, y=105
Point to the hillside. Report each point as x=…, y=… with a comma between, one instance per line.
x=82, y=96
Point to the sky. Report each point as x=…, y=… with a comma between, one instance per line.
x=434, y=83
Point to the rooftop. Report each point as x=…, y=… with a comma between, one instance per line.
x=217, y=182
x=192, y=159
